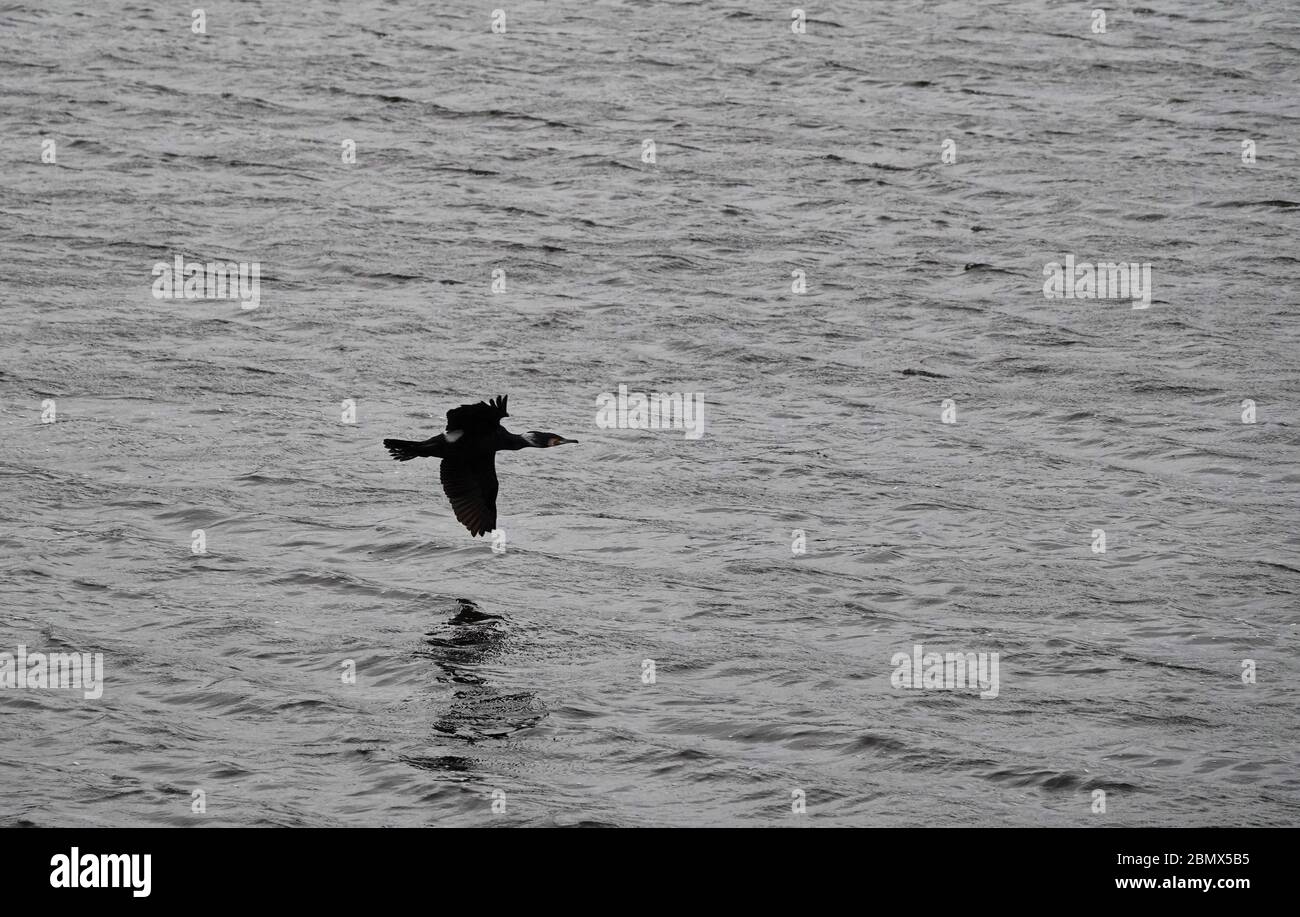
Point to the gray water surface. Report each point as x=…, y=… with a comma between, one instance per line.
x=774, y=153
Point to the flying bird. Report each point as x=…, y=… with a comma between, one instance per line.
x=468, y=451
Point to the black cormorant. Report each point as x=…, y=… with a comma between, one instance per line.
x=468, y=451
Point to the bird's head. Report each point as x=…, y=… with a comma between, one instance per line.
x=546, y=440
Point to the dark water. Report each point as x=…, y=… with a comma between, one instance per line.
x=775, y=152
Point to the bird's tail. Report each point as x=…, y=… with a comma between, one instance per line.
x=404, y=449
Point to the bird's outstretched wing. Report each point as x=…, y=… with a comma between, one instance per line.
x=478, y=418
x=471, y=486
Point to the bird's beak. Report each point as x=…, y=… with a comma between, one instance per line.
x=561, y=441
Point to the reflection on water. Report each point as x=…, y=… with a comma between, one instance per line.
x=478, y=710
